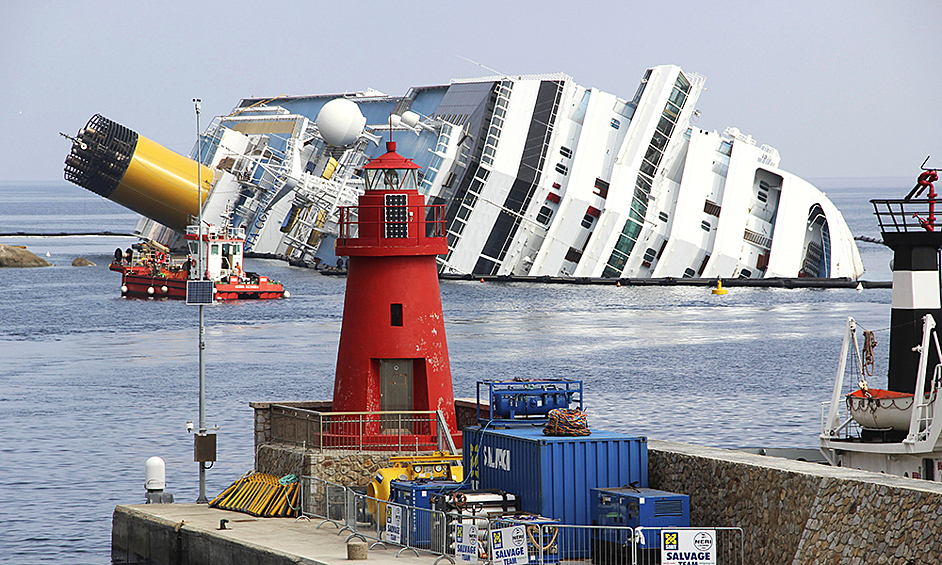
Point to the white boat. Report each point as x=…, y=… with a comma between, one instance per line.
x=539, y=176
x=894, y=430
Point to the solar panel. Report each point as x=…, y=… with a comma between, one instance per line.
x=199, y=292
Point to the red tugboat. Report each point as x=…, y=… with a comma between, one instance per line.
x=152, y=272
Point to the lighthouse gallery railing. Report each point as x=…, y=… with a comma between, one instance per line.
x=410, y=225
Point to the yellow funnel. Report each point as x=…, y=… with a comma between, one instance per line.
x=115, y=162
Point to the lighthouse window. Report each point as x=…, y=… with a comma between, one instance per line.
x=395, y=314
x=565, y=152
x=587, y=221
x=544, y=215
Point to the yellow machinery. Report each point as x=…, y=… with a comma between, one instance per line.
x=124, y=167
x=438, y=465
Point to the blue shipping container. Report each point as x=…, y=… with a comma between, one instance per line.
x=551, y=475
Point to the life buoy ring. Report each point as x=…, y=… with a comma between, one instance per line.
x=459, y=499
x=160, y=257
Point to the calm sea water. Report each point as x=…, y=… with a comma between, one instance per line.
x=91, y=384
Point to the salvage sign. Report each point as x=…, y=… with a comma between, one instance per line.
x=688, y=547
x=509, y=546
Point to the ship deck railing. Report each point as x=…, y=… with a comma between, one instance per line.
x=848, y=430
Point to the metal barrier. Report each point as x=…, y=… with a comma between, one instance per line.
x=325, y=500
x=411, y=431
x=490, y=539
x=723, y=546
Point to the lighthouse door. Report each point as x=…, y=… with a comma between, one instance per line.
x=395, y=385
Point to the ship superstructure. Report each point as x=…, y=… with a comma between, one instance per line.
x=538, y=176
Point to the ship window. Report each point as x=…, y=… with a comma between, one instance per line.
x=544, y=215
x=649, y=254
x=705, y=225
x=566, y=152
x=395, y=314
x=689, y=273
x=678, y=97
x=587, y=221
x=745, y=274
x=653, y=155
x=214, y=249
x=615, y=123
x=648, y=168
x=562, y=169
x=671, y=111
x=624, y=244
x=659, y=140
x=665, y=126
x=762, y=196
x=663, y=216
x=464, y=212
x=194, y=248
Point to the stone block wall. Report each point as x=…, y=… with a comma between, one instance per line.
x=795, y=513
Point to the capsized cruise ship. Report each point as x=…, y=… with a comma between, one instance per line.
x=538, y=175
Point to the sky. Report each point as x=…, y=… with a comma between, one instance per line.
x=840, y=88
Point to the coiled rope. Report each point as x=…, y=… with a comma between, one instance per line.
x=567, y=422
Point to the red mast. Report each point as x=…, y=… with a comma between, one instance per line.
x=393, y=354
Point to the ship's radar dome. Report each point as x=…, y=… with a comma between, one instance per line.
x=340, y=122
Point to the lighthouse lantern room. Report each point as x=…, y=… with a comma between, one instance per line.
x=393, y=355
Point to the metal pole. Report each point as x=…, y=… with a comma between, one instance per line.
x=199, y=191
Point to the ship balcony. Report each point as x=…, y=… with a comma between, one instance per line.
x=392, y=230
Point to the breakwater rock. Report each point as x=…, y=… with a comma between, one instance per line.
x=11, y=256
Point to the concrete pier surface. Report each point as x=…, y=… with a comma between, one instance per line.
x=189, y=534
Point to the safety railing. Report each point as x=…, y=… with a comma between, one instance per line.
x=390, y=225
x=848, y=428
x=409, y=431
x=514, y=538
x=913, y=215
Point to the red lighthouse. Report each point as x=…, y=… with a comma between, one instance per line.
x=393, y=355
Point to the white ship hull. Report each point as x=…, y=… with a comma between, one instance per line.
x=540, y=176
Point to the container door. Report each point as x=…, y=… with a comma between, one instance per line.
x=395, y=385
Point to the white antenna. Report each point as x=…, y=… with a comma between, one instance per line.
x=505, y=75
